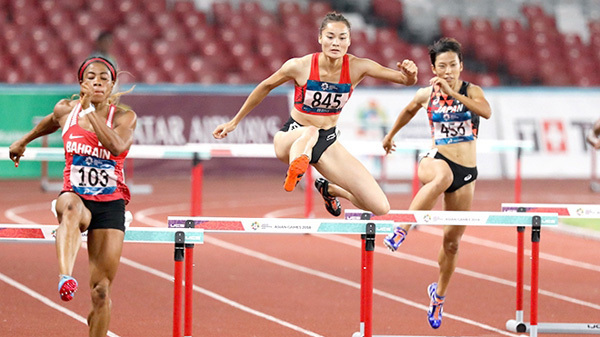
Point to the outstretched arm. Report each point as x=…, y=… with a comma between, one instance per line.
x=406, y=73
x=46, y=126
x=287, y=72
x=404, y=117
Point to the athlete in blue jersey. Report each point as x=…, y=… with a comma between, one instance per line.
x=449, y=168
x=323, y=84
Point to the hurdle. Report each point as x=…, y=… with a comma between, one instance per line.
x=181, y=238
x=197, y=153
x=564, y=211
x=455, y=218
x=365, y=224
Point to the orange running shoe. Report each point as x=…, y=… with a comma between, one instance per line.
x=295, y=172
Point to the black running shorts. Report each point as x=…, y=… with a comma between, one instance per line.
x=106, y=214
x=326, y=139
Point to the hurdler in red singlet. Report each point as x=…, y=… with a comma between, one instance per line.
x=323, y=98
x=91, y=170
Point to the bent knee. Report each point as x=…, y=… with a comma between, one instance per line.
x=451, y=247
x=442, y=183
x=100, y=293
x=382, y=209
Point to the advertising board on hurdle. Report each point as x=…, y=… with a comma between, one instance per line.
x=367, y=225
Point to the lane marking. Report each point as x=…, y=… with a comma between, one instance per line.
x=168, y=277
x=220, y=298
x=512, y=249
x=267, y=258
x=474, y=274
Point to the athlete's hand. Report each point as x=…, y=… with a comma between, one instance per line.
x=222, y=130
x=16, y=151
x=388, y=144
x=87, y=90
x=409, y=68
x=441, y=83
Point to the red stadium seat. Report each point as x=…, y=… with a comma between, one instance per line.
x=453, y=27
x=391, y=11
x=318, y=9
x=193, y=20
x=183, y=7
x=286, y=8
x=222, y=12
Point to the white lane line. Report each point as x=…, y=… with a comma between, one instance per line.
x=45, y=299
x=142, y=217
x=220, y=298
x=417, y=259
x=267, y=258
x=513, y=249
x=431, y=263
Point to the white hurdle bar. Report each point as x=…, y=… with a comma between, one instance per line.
x=364, y=223
x=198, y=152
x=182, y=238
x=564, y=211
x=455, y=218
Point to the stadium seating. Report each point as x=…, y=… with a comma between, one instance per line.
x=237, y=42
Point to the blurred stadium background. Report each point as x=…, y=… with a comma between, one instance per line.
x=508, y=42
x=194, y=62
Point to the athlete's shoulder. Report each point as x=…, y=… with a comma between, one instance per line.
x=423, y=94
x=64, y=107
x=125, y=113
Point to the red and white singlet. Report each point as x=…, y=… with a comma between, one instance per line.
x=323, y=98
x=91, y=170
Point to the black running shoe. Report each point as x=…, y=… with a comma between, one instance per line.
x=332, y=204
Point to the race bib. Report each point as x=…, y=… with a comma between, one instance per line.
x=325, y=97
x=93, y=176
x=450, y=128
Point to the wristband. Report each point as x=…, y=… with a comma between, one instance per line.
x=84, y=112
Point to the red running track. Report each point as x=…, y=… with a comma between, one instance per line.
x=297, y=285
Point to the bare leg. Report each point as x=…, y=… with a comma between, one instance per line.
x=305, y=143
x=350, y=180
x=104, y=252
x=436, y=177
x=459, y=200
x=74, y=218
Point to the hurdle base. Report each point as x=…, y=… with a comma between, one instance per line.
x=555, y=328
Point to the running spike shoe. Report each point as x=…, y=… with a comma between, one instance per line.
x=436, y=306
x=67, y=286
x=295, y=172
x=332, y=204
x=395, y=239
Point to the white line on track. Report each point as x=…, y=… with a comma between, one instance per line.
x=39, y=296
x=220, y=298
x=458, y=270
x=47, y=301
x=512, y=249
x=267, y=258
x=143, y=217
